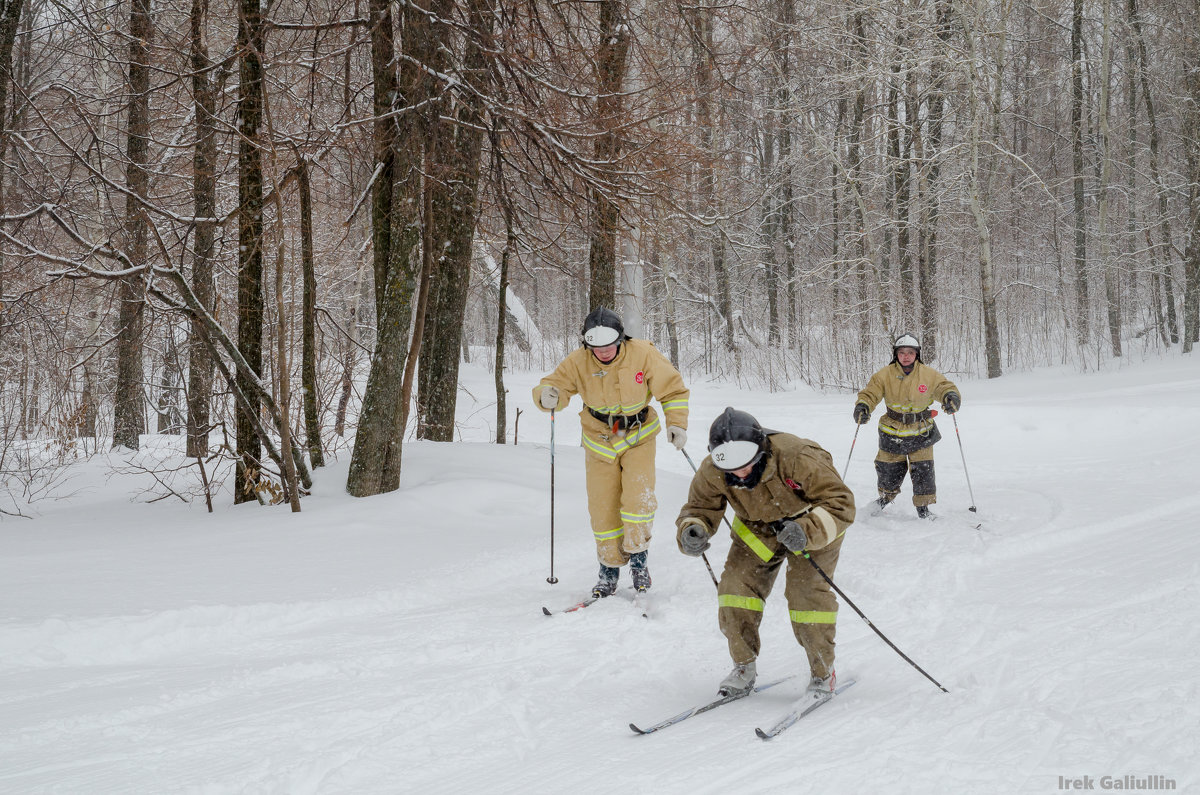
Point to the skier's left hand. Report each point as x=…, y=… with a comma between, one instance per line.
x=792, y=535
x=950, y=402
x=676, y=436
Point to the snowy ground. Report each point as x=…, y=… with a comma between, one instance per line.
x=396, y=644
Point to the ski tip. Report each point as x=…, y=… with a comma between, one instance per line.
x=636, y=730
x=762, y=735
x=546, y=611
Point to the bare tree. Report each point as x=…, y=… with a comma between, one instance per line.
x=129, y=404
x=204, y=202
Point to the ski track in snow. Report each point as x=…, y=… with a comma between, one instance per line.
x=397, y=644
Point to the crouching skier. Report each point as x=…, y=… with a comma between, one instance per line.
x=788, y=502
x=616, y=376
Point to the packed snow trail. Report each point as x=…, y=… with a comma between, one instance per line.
x=394, y=644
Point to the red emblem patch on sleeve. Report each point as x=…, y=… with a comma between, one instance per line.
x=922, y=389
x=791, y=484
x=640, y=378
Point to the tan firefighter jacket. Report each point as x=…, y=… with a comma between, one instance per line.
x=623, y=387
x=799, y=482
x=910, y=394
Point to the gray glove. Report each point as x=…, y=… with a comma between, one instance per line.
x=862, y=414
x=951, y=402
x=549, y=397
x=676, y=436
x=693, y=539
x=791, y=535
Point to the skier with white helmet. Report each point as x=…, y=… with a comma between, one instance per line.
x=616, y=376
x=907, y=432
x=789, y=502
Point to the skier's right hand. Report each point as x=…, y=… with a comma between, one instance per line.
x=693, y=539
x=549, y=398
x=862, y=414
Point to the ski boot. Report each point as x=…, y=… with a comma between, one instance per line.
x=607, y=585
x=820, y=687
x=740, y=680
x=923, y=512
x=878, y=505
x=638, y=572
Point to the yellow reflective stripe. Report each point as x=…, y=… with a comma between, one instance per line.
x=919, y=430
x=813, y=616
x=630, y=439
x=637, y=517
x=606, y=535
x=744, y=602
x=909, y=409
x=598, y=448
x=749, y=539
x=675, y=404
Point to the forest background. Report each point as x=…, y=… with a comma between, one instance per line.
x=273, y=228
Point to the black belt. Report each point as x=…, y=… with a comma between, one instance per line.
x=619, y=422
x=909, y=417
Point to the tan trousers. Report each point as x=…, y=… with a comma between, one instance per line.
x=621, y=502
x=812, y=605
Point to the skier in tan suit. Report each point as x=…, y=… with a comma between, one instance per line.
x=616, y=377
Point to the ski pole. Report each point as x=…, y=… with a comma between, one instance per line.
x=552, y=579
x=857, y=428
x=702, y=555
x=964, y=460
x=874, y=628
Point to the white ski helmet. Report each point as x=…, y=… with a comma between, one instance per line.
x=906, y=341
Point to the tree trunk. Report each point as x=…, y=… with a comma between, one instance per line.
x=250, y=241
x=903, y=177
x=786, y=201
x=1078, y=194
x=10, y=20
x=701, y=30
x=979, y=210
x=769, y=232
x=375, y=462
x=455, y=210
x=1106, y=260
x=854, y=188
x=204, y=203
x=1163, y=250
x=510, y=248
x=129, y=415
x=308, y=355
x=611, y=60
x=350, y=354
x=928, y=266
x=1190, y=130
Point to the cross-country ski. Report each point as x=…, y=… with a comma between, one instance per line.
x=804, y=706
x=706, y=707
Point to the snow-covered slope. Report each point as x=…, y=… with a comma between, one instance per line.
x=396, y=644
